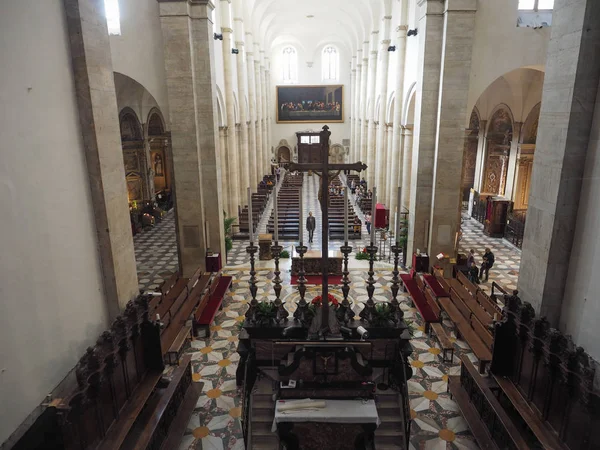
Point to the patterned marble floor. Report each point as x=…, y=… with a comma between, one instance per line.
x=215, y=424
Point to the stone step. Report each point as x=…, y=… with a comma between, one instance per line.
x=265, y=442
x=263, y=416
x=383, y=433
x=262, y=428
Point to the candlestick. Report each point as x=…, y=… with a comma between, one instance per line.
x=276, y=221
x=398, y=214
x=301, y=225
x=346, y=215
x=250, y=221
x=373, y=209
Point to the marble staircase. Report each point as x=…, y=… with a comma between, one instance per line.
x=390, y=434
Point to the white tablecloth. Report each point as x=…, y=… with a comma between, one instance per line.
x=335, y=411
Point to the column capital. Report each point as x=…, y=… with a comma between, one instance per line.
x=238, y=19
x=248, y=33
x=359, y=65
x=366, y=61
x=239, y=43
x=366, y=42
x=373, y=52
x=387, y=17
x=353, y=70
x=375, y=32
x=386, y=42
x=226, y=30
x=460, y=5
x=249, y=53
x=402, y=29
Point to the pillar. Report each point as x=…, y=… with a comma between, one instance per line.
x=269, y=105
x=97, y=104
x=189, y=51
x=252, y=138
x=406, y=174
x=431, y=29
x=389, y=129
x=356, y=101
x=480, y=161
x=363, y=104
x=352, y=105
x=370, y=148
x=568, y=96
x=459, y=31
x=382, y=92
x=259, y=111
x=512, y=161
x=263, y=104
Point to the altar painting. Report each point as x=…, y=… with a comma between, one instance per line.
x=310, y=104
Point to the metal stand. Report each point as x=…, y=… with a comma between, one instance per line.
x=344, y=312
x=301, y=314
x=251, y=313
x=367, y=312
x=398, y=313
x=282, y=314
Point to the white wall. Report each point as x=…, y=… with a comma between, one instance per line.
x=310, y=51
x=138, y=51
x=52, y=303
x=580, y=316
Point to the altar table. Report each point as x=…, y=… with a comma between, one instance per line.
x=312, y=262
x=335, y=411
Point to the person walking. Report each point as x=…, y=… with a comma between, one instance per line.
x=473, y=271
x=368, y=222
x=488, y=263
x=311, y=224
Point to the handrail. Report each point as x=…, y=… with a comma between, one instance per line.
x=405, y=409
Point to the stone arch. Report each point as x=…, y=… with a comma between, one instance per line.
x=155, y=123
x=390, y=109
x=220, y=108
x=283, y=151
x=408, y=117
x=530, y=126
x=129, y=125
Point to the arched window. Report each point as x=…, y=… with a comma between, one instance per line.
x=113, y=18
x=290, y=65
x=330, y=63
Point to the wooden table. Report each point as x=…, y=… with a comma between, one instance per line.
x=312, y=262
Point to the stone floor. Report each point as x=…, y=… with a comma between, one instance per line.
x=215, y=423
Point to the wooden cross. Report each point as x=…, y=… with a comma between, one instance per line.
x=324, y=167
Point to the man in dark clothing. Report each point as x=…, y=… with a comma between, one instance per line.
x=311, y=224
x=488, y=262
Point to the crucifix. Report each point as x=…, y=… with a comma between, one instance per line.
x=322, y=169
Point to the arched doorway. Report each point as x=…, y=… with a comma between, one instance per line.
x=283, y=154
x=133, y=157
x=470, y=155
x=498, y=138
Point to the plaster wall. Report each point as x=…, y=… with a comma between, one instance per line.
x=580, y=315
x=53, y=304
x=309, y=52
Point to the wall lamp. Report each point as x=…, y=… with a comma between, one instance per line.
x=412, y=32
x=218, y=37
x=235, y=51
x=392, y=48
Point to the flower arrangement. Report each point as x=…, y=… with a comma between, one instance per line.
x=332, y=300
x=362, y=254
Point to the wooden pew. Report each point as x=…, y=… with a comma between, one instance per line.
x=437, y=327
x=206, y=315
x=418, y=299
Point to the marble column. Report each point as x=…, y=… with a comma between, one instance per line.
x=512, y=161
x=387, y=172
x=259, y=118
x=396, y=160
x=459, y=28
x=223, y=151
x=356, y=100
x=233, y=174
x=382, y=93
x=431, y=29
x=269, y=105
x=191, y=87
x=148, y=171
x=245, y=159
x=406, y=173
x=252, y=139
x=569, y=93
x=363, y=104
x=99, y=121
x=480, y=161
x=370, y=143
x=265, y=93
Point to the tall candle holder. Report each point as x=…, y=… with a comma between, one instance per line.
x=251, y=313
x=282, y=314
x=344, y=312
x=398, y=314
x=367, y=312
x=301, y=314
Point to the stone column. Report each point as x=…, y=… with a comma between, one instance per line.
x=233, y=174
x=370, y=147
x=570, y=90
x=387, y=169
x=459, y=28
x=263, y=104
x=480, y=161
x=223, y=151
x=512, y=161
x=242, y=77
x=260, y=151
x=252, y=138
x=189, y=50
x=363, y=104
x=406, y=173
x=148, y=171
x=269, y=105
x=358, y=119
x=99, y=121
x=381, y=148
x=396, y=161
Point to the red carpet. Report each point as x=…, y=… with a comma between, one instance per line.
x=316, y=279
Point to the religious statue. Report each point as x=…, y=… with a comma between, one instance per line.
x=158, y=165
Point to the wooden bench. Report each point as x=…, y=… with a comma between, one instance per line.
x=213, y=303
x=476, y=400
x=438, y=329
x=418, y=299
x=120, y=400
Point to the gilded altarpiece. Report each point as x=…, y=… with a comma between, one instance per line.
x=499, y=138
x=525, y=159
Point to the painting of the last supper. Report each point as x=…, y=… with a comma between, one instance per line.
x=310, y=104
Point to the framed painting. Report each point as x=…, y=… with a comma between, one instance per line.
x=310, y=104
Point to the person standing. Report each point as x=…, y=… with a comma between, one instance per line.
x=488, y=263
x=368, y=222
x=311, y=224
x=473, y=271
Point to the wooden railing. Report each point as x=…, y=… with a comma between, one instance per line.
x=515, y=228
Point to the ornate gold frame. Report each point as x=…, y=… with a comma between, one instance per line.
x=308, y=86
